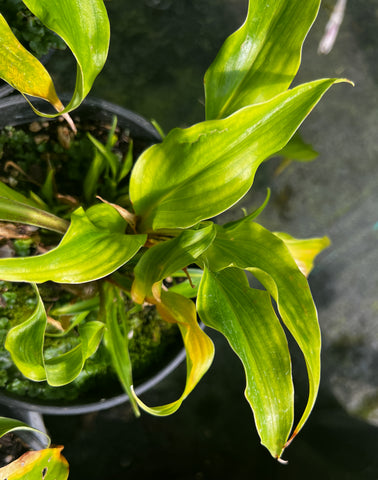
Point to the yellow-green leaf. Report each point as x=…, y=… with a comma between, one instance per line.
x=13, y=211
x=199, y=348
x=87, y=252
x=8, y=425
x=47, y=464
x=249, y=246
x=83, y=25
x=199, y=172
x=22, y=70
x=25, y=343
x=86, y=31
x=165, y=258
x=304, y=251
x=117, y=338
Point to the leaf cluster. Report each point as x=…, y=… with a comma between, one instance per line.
x=175, y=188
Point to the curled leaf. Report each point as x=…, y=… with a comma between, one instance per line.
x=86, y=32
x=199, y=348
x=251, y=247
x=304, y=251
x=25, y=343
x=8, y=425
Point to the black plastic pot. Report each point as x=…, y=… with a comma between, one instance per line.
x=15, y=111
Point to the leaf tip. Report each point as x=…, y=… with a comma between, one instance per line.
x=345, y=80
x=281, y=460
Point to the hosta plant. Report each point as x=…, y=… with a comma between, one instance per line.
x=175, y=188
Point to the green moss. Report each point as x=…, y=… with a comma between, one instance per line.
x=29, y=30
x=23, y=247
x=37, y=149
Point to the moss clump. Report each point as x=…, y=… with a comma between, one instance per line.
x=29, y=30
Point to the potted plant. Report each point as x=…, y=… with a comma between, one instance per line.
x=174, y=189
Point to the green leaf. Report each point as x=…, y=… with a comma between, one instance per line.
x=80, y=307
x=22, y=70
x=199, y=172
x=47, y=464
x=64, y=368
x=117, y=340
x=106, y=217
x=8, y=192
x=165, y=258
x=47, y=189
x=13, y=211
x=8, y=425
x=93, y=175
x=106, y=152
x=250, y=246
x=245, y=316
x=25, y=344
x=260, y=60
x=199, y=348
x=127, y=162
x=85, y=253
x=85, y=30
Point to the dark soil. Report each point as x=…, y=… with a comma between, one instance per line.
x=11, y=447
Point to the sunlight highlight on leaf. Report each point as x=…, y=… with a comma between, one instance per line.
x=217, y=160
x=260, y=60
x=85, y=30
x=167, y=257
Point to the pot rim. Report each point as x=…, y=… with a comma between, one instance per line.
x=24, y=113
x=102, y=404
